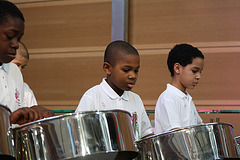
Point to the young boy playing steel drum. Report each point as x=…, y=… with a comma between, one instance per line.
x=175, y=108
x=11, y=81
x=121, y=64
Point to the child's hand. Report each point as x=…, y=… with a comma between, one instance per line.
x=45, y=112
x=25, y=115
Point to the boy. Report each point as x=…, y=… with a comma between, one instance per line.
x=175, y=108
x=21, y=60
x=11, y=82
x=121, y=64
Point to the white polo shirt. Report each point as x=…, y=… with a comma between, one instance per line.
x=174, y=109
x=103, y=97
x=11, y=86
x=29, y=97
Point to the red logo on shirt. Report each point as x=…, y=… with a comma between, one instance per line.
x=17, y=97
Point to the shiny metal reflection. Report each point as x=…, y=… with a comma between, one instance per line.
x=238, y=145
x=85, y=135
x=208, y=141
x=4, y=125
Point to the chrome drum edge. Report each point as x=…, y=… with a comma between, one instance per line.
x=4, y=125
x=238, y=145
x=208, y=141
x=85, y=135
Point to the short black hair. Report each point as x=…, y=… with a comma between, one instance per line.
x=182, y=54
x=115, y=48
x=8, y=9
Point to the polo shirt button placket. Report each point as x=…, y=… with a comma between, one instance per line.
x=120, y=103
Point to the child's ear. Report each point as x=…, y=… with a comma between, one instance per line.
x=107, y=68
x=176, y=68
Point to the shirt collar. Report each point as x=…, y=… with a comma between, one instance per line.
x=5, y=67
x=177, y=91
x=111, y=93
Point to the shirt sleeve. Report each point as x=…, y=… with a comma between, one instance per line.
x=86, y=103
x=146, y=127
x=167, y=114
x=29, y=97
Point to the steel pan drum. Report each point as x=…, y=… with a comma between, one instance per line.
x=5, y=113
x=208, y=141
x=105, y=135
x=238, y=145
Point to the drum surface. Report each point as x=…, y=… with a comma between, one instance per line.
x=85, y=135
x=208, y=141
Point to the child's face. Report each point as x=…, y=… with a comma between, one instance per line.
x=20, y=61
x=123, y=75
x=11, y=33
x=190, y=75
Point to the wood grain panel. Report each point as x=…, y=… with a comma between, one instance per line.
x=61, y=79
x=67, y=24
x=173, y=21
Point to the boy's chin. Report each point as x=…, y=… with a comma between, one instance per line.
x=192, y=87
x=128, y=89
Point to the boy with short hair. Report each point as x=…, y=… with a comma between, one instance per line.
x=21, y=60
x=121, y=64
x=175, y=108
x=11, y=81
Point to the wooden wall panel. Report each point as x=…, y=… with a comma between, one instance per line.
x=67, y=24
x=62, y=81
x=172, y=21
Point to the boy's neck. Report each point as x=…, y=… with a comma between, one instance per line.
x=178, y=86
x=117, y=90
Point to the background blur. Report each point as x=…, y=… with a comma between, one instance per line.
x=67, y=38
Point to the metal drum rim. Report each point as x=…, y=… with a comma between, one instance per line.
x=5, y=107
x=181, y=130
x=65, y=115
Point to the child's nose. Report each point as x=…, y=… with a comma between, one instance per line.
x=198, y=76
x=133, y=75
x=15, y=43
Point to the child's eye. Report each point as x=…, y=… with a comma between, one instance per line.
x=194, y=71
x=10, y=37
x=136, y=71
x=126, y=70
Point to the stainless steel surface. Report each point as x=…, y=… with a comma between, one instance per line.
x=4, y=125
x=105, y=135
x=238, y=145
x=208, y=141
x=134, y=123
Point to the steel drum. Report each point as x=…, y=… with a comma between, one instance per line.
x=5, y=113
x=102, y=135
x=238, y=145
x=206, y=142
